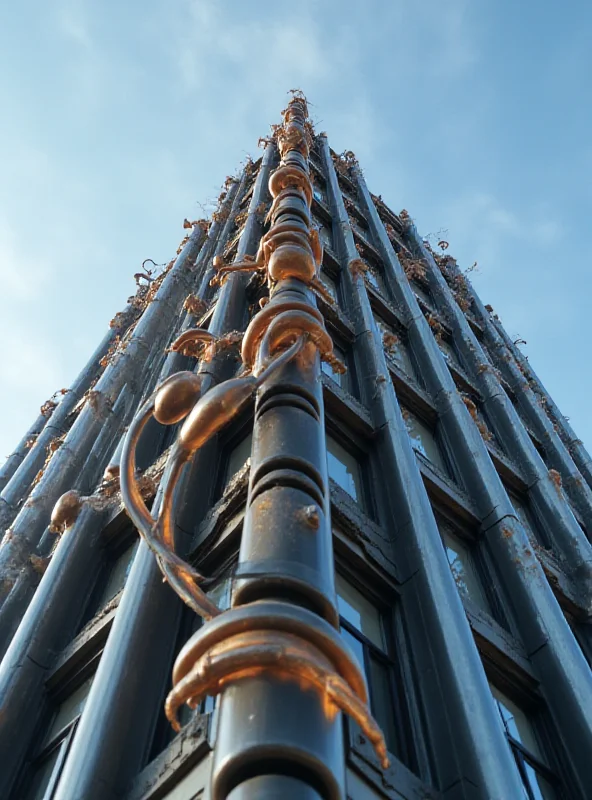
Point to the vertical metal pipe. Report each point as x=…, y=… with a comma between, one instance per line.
x=510, y=431
x=63, y=468
x=19, y=486
x=565, y=675
x=115, y=730
x=270, y=729
x=468, y=747
x=46, y=628
x=556, y=451
x=575, y=445
x=15, y=459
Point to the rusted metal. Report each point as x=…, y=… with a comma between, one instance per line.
x=280, y=353
x=66, y=511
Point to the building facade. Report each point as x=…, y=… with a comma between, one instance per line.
x=376, y=486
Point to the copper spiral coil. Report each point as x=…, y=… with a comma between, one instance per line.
x=221, y=653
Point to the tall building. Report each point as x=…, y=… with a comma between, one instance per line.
x=364, y=527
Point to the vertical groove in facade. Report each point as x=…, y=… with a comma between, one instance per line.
x=467, y=745
x=557, y=453
x=567, y=534
x=117, y=696
x=573, y=444
x=16, y=458
x=542, y=626
x=537, y=649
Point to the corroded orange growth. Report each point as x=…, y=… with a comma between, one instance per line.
x=288, y=326
x=65, y=512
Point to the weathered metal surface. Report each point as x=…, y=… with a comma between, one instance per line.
x=286, y=544
x=467, y=743
x=545, y=633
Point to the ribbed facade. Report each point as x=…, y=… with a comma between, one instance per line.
x=455, y=506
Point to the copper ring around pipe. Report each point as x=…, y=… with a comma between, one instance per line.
x=277, y=654
x=274, y=615
x=260, y=322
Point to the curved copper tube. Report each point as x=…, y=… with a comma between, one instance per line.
x=209, y=414
x=191, y=336
x=281, y=655
x=179, y=574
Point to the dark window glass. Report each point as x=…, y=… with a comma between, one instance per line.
x=449, y=352
x=464, y=570
x=120, y=569
x=374, y=279
x=521, y=509
x=48, y=764
x=424, y=440
x=318, y=192
x=362, y=627
x=422, y=292
x=325, y=235
x=344, y=469
x=395, y=348
x=219, y=593
x=537, y=778
x=329, y=284
x=237, y=459
x=341, y=378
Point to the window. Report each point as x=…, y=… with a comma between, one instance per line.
x=361, y=625
x=536, y=776
x=329, y=284
x=422, y=292
x=120, y=569
x=523, y=514
x=325, y=235
x=464, y=570
x=395, y=347
x=48, y=764
x=424, y=440
x=318, y=192
x=344, y=469
x=219, y=593
x=238, y=458
x=374, y=279
x=340, y=378
x=449, y=352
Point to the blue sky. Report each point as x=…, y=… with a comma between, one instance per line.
x=120, y=118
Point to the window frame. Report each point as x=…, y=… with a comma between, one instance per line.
x=482, y=565
x=401, y=335
x=60, y=684
x=234, y=435
x=449, y=471
x=521, y=753
x=386, y=600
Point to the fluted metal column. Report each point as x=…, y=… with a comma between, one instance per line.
x=575, y=446
x=116, y=726
x=546, y=498
x=270, y=731
x=15, y=459
x=565, y=675
x=470, y=753
x=64, y=467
